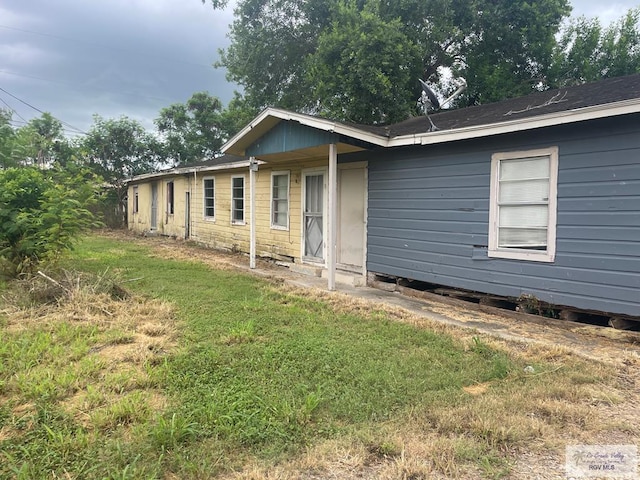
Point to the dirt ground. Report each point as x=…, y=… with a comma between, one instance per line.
x=513, y=331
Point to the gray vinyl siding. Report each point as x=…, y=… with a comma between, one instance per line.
x=428, y=217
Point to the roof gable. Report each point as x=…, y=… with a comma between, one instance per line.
x=288, y=136
x=258, y=129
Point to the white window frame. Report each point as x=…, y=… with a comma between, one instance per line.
x=244, y=201
x=494, y=250
x=275, y=226
x=209, y=218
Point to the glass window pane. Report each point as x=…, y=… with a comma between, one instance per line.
x=209, y=197
x=522, y=237
x=313, y=200
x=524, y=216
x=524, y=191
x=523, y=168
x=237, y=197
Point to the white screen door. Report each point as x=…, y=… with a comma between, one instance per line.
x=313, y=216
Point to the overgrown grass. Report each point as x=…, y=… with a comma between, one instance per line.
x=258, y=375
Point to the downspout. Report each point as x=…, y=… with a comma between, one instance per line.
x=193, y=198
x=253, y=168
x=332, y=223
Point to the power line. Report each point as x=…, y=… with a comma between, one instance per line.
x=12, y=109
x=78, y=130
x=77, y=85
x=21, y=123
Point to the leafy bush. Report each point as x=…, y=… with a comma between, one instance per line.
x=41, y=214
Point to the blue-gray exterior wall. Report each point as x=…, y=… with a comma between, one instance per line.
x=428, y=216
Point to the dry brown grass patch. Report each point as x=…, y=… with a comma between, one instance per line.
x=128, y=333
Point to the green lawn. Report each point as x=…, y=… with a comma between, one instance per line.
x=255, y=376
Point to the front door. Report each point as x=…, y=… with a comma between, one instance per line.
x=313, y=216
x=352, y=194
x=154, y=206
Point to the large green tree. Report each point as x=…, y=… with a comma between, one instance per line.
x=193, y=131
x=367, y=76
x=358, y=59
x=40, y=142
x=509, y=49
x=588, y=51
x=47, y=132
x=117, y=149
x=7, y=140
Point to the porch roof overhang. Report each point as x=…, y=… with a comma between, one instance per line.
x=277, y=135
x=190, y=169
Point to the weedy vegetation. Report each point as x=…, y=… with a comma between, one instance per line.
x=130, y=365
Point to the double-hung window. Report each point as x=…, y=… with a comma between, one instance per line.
x=280, y=200
x=522, y=211
x=209, y=195
x=136, y=200
x=237, y=200
x=170, y=199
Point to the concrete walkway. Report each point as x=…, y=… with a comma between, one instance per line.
x=593, y=342
x=617, y=347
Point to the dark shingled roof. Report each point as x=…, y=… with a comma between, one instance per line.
x=212, y=162
x=603, y=92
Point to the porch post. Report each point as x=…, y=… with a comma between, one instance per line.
x=333, y=215
x=253, y=166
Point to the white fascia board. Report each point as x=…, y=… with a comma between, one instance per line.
x=147, y=176
x=551, y=119
x=333, y=127
x=222, y=166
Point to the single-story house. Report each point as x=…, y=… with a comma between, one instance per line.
x=536, y=196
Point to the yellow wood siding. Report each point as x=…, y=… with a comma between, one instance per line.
x=220, y=232
x=270, y=242
x=167, y=223
x=139, y=221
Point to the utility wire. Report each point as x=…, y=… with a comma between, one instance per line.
x=12, y=109
x=81, y=86
x=78, y=130
x=20, y=123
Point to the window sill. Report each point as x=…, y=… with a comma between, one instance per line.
x=527, y=255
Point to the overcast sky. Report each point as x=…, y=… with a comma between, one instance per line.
x=76, y=58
